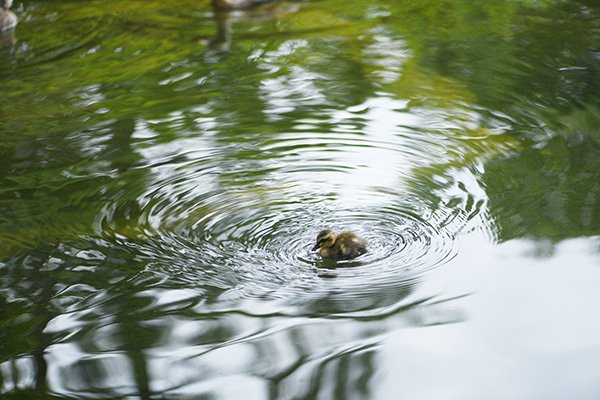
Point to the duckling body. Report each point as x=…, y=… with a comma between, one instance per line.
x=342, y=246
x=8, y=20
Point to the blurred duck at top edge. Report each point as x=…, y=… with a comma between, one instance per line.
x=255, y=11
x=238, y=4
x=8, y=20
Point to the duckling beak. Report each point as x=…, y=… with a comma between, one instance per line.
x=315, y=247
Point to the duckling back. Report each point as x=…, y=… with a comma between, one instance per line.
x=347, y=245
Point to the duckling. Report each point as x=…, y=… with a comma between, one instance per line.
x=8, y=20
x=342, y=246
x=237, y=4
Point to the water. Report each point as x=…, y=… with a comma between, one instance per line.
x=165, y=171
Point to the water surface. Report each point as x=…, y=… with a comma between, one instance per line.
x=165, y=170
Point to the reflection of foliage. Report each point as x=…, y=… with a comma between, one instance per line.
x=536, y=67
x=500, y=49
x=94, y=75
x=550, y=190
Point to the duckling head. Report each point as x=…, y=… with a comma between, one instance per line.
x=6, y=4
x=325, y=238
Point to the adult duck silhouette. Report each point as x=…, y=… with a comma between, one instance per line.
x=231, y=12
x=238, y=4
x=8, y=20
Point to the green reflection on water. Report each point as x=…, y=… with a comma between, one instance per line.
x=507, y=57
x=123, y=123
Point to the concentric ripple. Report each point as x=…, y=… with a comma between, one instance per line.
x=267, y=254
x=240, y=220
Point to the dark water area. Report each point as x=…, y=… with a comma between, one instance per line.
x=165, y=168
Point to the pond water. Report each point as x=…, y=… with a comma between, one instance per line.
x=164, y=172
